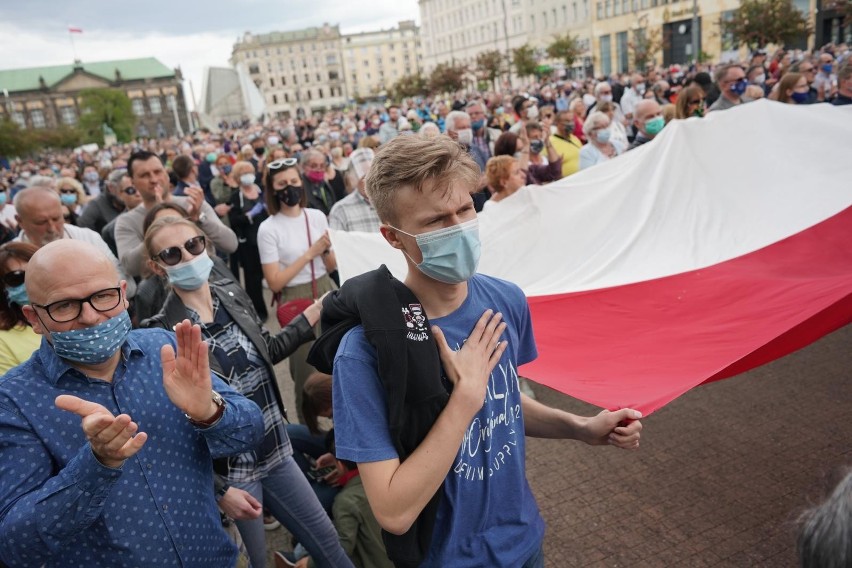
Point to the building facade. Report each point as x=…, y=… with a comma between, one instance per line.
x=458, y=30
x=48, y=97
x=298, y=72
x=375, y=60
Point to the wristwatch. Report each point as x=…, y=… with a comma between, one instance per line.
x=220, y=409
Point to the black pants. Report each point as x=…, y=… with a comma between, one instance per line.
x=253, y=276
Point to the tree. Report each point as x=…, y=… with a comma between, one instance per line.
x=757, y=23
x=645, y=44
x=489, y=64
x=447, y=78
x=843, y=9
x=410, y=86
x=566, y=48
x=523, y=58
x=13, y=140
x=106, y=106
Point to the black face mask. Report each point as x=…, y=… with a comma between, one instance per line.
x=259, y=151
x=536, y=146
x=290, y=195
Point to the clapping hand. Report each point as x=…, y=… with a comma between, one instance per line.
x=113, y=438
x=186, y=377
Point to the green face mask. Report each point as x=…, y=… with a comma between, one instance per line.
x=655, y=125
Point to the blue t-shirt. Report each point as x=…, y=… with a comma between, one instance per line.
x=488, y=516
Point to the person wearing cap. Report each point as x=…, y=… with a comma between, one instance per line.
x=355, y=212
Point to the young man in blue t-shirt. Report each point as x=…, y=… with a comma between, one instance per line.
x=475, y=450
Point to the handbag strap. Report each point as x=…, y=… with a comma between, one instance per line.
x=313, y=274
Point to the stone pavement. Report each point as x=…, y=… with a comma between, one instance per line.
x=722, y=474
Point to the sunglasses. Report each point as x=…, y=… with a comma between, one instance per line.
x=282, y=163
x=14, y=278
x=129, y=190
x=692, y=103
x=173, y=255
x=68, y=191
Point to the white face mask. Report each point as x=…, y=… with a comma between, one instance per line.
x=606, y=98
x=532, y=112
x=465, y=136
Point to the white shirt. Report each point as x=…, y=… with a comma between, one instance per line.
x=284, y=239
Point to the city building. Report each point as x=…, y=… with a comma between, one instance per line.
x=456, y=31
x=47, y=97
x=619, y=27
x=298, y=72
x=228, y=95
x=375, y=60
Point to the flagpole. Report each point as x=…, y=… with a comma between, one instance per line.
x=73, y=47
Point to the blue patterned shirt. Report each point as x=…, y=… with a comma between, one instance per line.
x=60, y=506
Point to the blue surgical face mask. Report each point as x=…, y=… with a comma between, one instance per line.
x=450, y=255
x=655, y=125
x=3, y=197
x=799, y=98
x=68, y=198
x=603, y=136
x=192, y=274
x=478, y=124
x=18, y=295
x=94, y=344
x=826, y=68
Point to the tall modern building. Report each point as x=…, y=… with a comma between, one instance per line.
x=298, y=71
x=228, y=95
x=47, y=97
x=458, y=30
x=375, y=60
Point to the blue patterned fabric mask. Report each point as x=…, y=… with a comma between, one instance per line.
x=94, y=344
x=451, y=254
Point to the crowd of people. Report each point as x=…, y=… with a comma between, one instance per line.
x=179, y=240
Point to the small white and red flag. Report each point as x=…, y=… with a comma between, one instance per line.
x=74, y=30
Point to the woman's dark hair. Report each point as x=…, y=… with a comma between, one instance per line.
x=270, y=195
x=12, y=315
x=506, y=144
x=825, y=533
x=151, y=215
x=316, y=399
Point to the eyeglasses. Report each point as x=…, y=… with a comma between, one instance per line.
x=70, y=309
x=14, y=278
x=129, y=190
x=67, y=191
x=282, y=163
x=693, y=103
x=173, y=255
x=811, y=70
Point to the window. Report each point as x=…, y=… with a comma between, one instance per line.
x=600, y=10
x=307, y=78
x=37, y=117
x=68, y=115
x=621, y=50
x=606, y=55
x=272, y=81
x=309, y=94
x=532, y=22
x=138, y=107
x=608, y=9
x=331, y=59
x=333, y=76
x=286, y=98
x=575, y=11
x=253, y=68
x=319, y=78
x=171, y=102
x=155, y=106
x=319, y=93
x=544, y=20
x=564, y=14
x=283, y=80
x=275, y=99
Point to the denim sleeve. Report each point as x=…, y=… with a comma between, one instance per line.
x=241, y=427
x=41, y=511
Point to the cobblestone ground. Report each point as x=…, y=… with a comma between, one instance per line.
x=722, y=474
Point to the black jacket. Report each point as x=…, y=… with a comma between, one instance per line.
x=410, y=370
x=99, y=212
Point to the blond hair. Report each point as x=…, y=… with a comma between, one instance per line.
x=497, y=171
x=419, y=163
x=163, y=223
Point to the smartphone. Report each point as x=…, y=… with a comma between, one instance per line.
x=318, y=474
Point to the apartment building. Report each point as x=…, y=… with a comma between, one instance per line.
x=375, y=60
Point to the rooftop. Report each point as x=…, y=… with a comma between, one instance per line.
x=27, y=79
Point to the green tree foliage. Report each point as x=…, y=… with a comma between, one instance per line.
x=489, y=65
x=644, y=46
x=13, y=140
x=565, y=48
x=523, y=59
x=447, y=77
x=757, y=23
x=843, y=9
x=106, y=106
x=16, y=141
x=410, y=86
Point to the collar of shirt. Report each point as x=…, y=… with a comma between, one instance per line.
x=55, y=367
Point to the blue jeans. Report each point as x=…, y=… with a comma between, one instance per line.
x=313, y=445
x=286, y=494
x=536, y=560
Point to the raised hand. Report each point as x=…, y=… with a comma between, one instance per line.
x=196, y=199
x=470, y=367
x=186, y=377
x=113, y=438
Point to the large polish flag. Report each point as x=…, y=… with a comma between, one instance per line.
x=723, y=244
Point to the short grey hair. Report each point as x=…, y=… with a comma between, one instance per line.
x=115, y=176
x=450, y=122
x=308, y=154
x=43, y=181
x=592, y=121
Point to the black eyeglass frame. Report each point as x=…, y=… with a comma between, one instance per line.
x=80, y=301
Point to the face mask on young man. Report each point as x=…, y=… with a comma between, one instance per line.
x=451, y=254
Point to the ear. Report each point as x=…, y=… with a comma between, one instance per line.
x=123, y=285
x=389, y=233
x=33, y=319
x=155, y=268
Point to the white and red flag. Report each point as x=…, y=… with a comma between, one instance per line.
x=722, y=245
x=74, y=30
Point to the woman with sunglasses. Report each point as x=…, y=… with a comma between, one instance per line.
x=295, y=251
x=17, y=338
x=73, y=198
x=243, y=353
x=690, y=102
x=246, y=214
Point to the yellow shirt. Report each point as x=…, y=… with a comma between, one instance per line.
x=570, y=151
x=16, y=346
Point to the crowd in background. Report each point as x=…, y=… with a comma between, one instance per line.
x=250, y=208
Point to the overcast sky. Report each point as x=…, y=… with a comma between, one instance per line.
x=183, y=33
